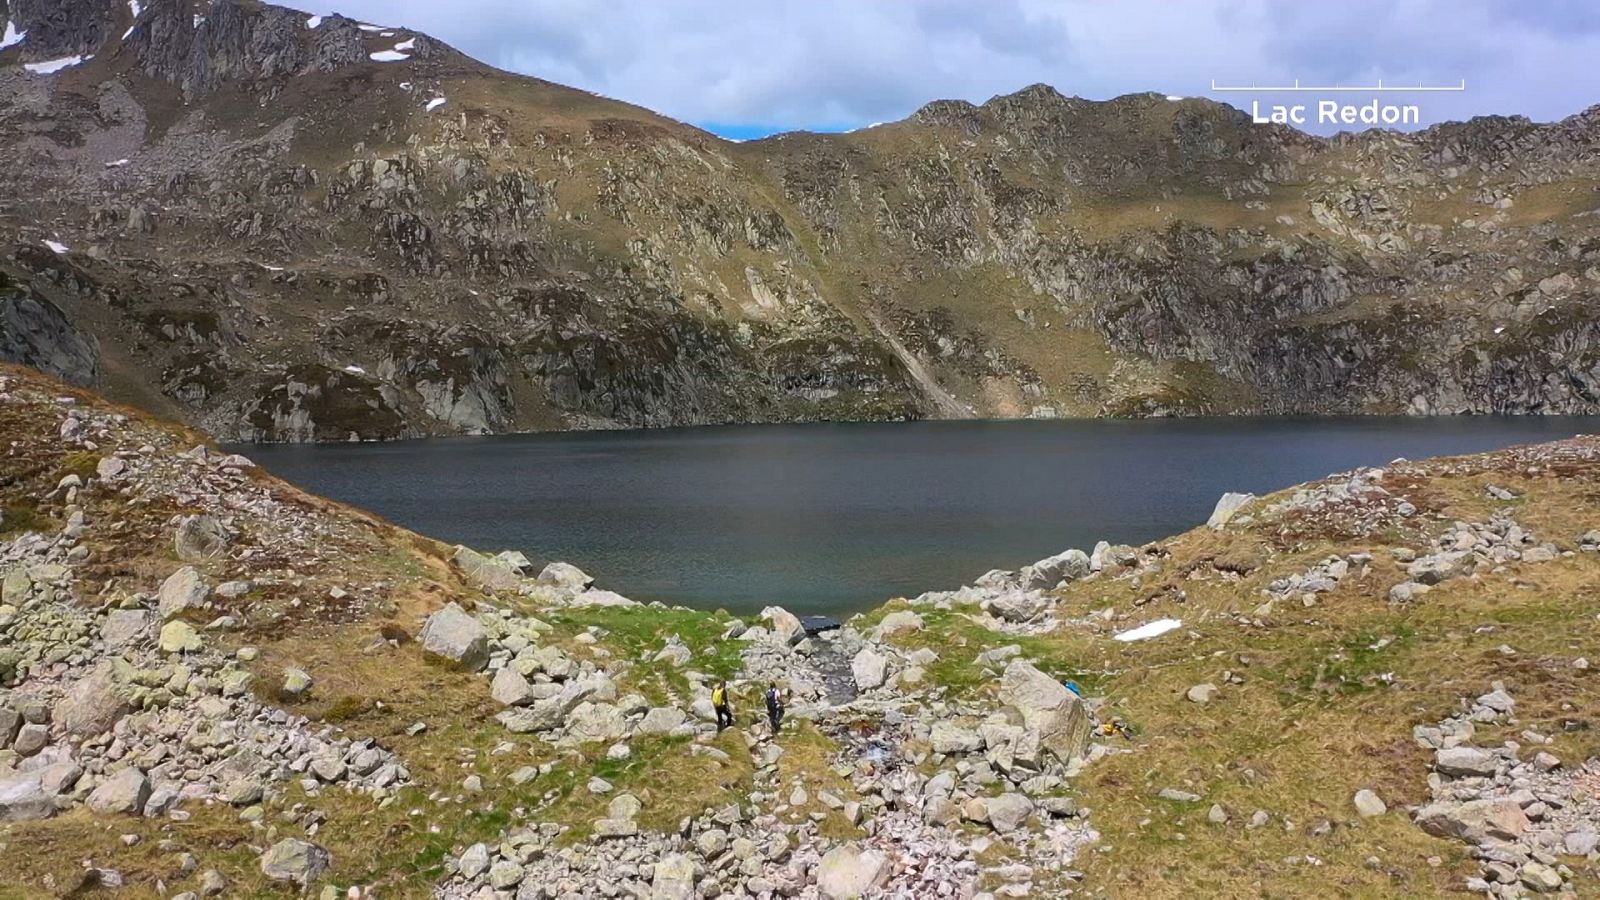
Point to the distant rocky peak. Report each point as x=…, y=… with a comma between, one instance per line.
x=200, y=46
x=55, y=29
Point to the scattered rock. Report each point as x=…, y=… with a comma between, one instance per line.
x=295, y=860
x=454, y=635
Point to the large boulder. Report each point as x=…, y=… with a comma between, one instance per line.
x=485, y=571
x=1018, y=605
x=1475, y=821
x=784, y=625
x=1228, y=506
x=565, y=575
x=869, y=668
x=949, y=737
x=510, y=688
x=549, y=712
x=673, y=878
x=662, y=720
x=31, y=791
x=848, y=872
x=596, y=722
x=1465, y=762
x=124, y=626
x=200, y=538
x=178, y=636
x=124, y=792
x=183, y=590
x=92, y=705
x=898, y=622
x=1053, y=717
x=291, y=859
x=454, y=635
x=1008, y=812
x=1069, y=565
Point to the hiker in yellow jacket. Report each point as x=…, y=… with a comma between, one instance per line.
x=719, y=700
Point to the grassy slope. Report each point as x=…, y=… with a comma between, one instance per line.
x=1310, y=725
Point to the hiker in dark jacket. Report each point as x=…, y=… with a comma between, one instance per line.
x=774, y=706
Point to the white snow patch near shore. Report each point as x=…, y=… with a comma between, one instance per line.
x=1153, y=629
x=314, y=22
x=435, y=103
x=57, y=247
x=50, y=67
x=12, y=37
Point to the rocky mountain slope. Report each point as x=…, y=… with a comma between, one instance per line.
x=214, y=684
x=290, y=227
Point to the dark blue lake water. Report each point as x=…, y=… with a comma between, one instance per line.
x=835, y=518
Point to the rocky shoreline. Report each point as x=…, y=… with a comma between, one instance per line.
x=189, y=643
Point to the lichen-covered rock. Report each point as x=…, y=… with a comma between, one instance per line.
x=486, y=571
x=291, y=859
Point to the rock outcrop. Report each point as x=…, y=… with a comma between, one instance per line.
x=553, y=259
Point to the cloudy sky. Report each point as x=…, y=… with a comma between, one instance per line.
x=758, y=66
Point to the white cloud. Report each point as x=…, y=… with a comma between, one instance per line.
x=843, y=63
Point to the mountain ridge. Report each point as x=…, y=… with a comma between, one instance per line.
x=284, y=232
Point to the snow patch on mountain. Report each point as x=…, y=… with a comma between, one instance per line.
x=52, y=66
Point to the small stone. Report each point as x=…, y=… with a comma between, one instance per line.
x=1202, y=693
x=296, y=684
x=1369, y=804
